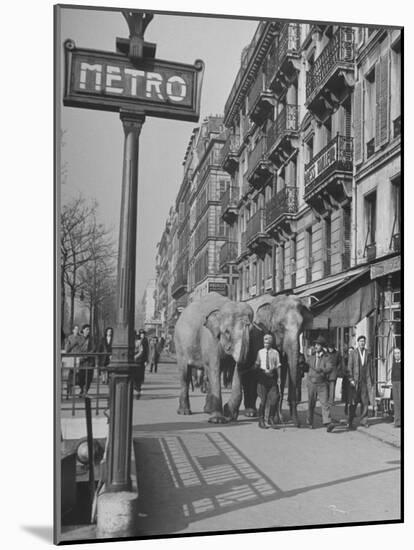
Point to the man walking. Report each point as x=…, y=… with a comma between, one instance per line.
x=361, y=377
x=269, y=369
x=320, y=365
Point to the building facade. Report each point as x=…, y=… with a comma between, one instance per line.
x=314, y=155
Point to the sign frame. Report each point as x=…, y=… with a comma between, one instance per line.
x=102, y=102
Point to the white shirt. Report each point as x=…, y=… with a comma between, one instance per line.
x=274, y=359
x=362, y=354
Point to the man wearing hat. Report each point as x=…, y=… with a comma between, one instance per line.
x=361, y=378
x=320, y=365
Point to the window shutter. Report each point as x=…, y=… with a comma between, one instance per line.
x=358, y=121
x=384, y=99
x=377, y=103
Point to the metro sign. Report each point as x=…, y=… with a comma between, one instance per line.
x=111, y=81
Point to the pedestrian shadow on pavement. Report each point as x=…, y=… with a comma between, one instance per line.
x=194, y=476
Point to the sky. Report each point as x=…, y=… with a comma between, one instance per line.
x=93, y=140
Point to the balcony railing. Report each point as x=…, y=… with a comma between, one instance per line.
x=286, y=122
x=340, y=49
x=284, y=202
x=229, y=153
x=256, y=225
x=228, y=252
x=337, y=155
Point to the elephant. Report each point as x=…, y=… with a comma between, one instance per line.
x=285, y=317
x=208, y=330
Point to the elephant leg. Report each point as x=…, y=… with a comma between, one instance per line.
x=231, y=408
x=215, y=404
x=249, y=382
x=293, y=402
x=184, y=401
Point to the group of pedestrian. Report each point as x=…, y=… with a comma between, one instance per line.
x=324, y=366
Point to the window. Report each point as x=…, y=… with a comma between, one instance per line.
x=346, y=237
x=396, y=89
x=328, y=130
x=309, y=149
x=308, y=245
x=371, y=224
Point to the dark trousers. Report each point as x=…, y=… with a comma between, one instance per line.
x=154, y=365
x=357, y=395
x=269, y=395
x=396, y=396
x=249, y=383
x=321, y=391
x=85, y=378
x=331, y=392
x=138, y=376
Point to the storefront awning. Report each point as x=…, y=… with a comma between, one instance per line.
x=346, y=304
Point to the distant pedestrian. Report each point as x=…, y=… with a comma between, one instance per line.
x=396, y=386
x=268, y=385
x=73, y=344
x=360, y=372
x=318, y=387
x=86, y=364
x=138, y=375
x=105, y=346
x=154, y=354
x=145, y=343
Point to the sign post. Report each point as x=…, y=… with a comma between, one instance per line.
x=135, y=85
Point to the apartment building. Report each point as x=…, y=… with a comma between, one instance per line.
x=313, y=151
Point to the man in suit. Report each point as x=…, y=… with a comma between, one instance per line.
x=361, y=377
x=320, y=365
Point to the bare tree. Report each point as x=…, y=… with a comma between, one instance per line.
x=77, y=226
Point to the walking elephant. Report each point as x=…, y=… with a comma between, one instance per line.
x=286, y=318
x=207, y=331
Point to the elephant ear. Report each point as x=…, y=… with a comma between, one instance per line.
x=307, y=317
x=212, y=322
x=263, y=316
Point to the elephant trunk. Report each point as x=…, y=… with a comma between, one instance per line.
x=291, y=348
x=244, y=349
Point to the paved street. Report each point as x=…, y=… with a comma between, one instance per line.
x=195, y=477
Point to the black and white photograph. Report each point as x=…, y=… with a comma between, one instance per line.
x=229, y=294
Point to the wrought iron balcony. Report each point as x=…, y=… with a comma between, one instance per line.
x=281, y=62
x=229, y=154
x=330, y=78
x=228, y=253
x=229, y=201
x=260, y=101
x=371, y=251
x=281, y=134
x=256, y=236
x=281, y=206
x=260, y=168
x=332, y=165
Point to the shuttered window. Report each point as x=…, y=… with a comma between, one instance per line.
x=382, y=100
x=346, y=237
x=358, y=124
